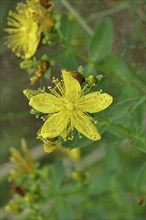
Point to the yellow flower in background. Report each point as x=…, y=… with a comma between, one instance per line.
x=40, y=11
x=24, y=162
x=24, y=33
x=25, y=26
x=68, y=108
x=13, y=207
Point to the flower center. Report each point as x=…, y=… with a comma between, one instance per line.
x=70, y=106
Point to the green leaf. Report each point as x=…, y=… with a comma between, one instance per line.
x=68, y=60
x=48, y=73
x=77, y=142
x=99, y=183
x=124, y=108
x=65, y=211
x=101, y=43
x=142, y=147
x=125, y=121
x=141, y=181
x=116, y=67
x=58, y=173
x=66, y=28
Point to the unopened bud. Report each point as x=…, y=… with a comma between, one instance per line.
x=78, y=176
x=91, y=81
x=29, y=197
x=13, y=207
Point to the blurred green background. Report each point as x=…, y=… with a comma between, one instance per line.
x=116, y=179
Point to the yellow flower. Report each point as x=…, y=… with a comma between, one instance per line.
x=24, y=163
x=13, y=207
x=68, y=108
x=24, y=34
x=40, y=11
x=25, y=26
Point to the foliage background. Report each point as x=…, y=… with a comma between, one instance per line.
x=117, y=180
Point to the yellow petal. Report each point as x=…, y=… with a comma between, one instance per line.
x=72, y=86
x=94, y=102
x=54, y=125
x=84, y=125
x=46, y=103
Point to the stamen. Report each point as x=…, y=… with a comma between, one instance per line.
x=92, y=119
x=84, y=90
x=59, y=86
x=71, y=135
x=44, y=118
x=79, y=134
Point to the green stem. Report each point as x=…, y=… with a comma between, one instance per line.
x=99, y=15
x=57, y=53
x=80, y=20
x=114, y=9
x=14, y=115
x=82, y=57
x=109, y=11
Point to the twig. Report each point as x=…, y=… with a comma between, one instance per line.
x=85, y=26
x=109, y=11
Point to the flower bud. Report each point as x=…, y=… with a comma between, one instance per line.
x=13, y=207
x=78, y=176
x=91, y=81
x=29, y=197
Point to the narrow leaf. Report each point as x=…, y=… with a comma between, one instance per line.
x=101, y=43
